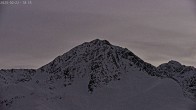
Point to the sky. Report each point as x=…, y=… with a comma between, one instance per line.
x=155, y=30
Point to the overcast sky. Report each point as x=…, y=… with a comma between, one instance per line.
x=155, y=30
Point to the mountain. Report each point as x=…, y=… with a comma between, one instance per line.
x=185, y=76
x=97, y=75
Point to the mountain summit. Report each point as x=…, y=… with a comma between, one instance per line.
x=98, y=75
x=99, y=60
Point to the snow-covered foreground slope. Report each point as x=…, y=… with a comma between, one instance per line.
x=94, y=76
x=135, y=91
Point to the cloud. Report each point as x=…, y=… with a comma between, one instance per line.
x=155, y=30
x=194, y=5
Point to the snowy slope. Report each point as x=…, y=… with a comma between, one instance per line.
x=94, y=76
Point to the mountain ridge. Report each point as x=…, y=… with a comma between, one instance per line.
x=127, y=54
x=96, y=65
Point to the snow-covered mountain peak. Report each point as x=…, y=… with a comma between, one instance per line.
x=98, y=75
x=174, y=63
x=185, y=76
x=100, y=42
x=88, y=52
x=171, y=63
x=170, y=68
x=98, y=60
